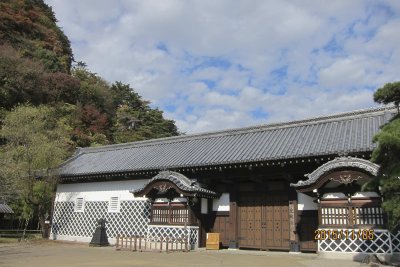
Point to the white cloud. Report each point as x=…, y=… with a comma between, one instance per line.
x=217, y=63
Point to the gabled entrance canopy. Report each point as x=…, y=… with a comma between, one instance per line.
x=344, y=170
x=337, y=185
x=168, y=180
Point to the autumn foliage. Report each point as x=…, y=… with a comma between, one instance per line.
x=55, y=106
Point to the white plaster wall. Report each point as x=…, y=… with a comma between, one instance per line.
x=305, y=202
x=204, y=206
x=337, y=195
x=365, y=194
x=99, y=191
x=221, y=204
x=175, y=200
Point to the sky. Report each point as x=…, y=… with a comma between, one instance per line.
x=217, y=64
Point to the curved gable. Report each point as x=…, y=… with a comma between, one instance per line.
x=166, y=180
x=352, y=169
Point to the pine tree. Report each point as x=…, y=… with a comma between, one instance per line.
x=387, y=154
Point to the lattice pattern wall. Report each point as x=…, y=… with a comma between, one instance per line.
x=396, y=241
x=383, y=242
x=132, y=219
x=155, y=231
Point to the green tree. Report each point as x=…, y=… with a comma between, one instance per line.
x=387, y=154
x=36, y=142
x=95, y=109
x=389, y=93
x=135, y=120
x=94, y=90
x=24, y=80
x=123, y=94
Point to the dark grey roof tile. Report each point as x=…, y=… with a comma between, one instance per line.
x=4, y=208
x=337, y=134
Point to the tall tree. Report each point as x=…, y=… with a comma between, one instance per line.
x=95, y=109
x=389, y=93
x=387, y=154
x=94, y=90
x=135, y=120
x=36, y=142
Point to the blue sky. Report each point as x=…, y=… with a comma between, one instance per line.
x=213, y=65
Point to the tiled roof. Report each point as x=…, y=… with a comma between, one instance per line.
x=181, y=181
x=4, y=208
x=344, y=133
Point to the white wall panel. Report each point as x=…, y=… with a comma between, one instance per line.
x=221, y=204
x=99, y=191
x=204, y=206
x=305, y=202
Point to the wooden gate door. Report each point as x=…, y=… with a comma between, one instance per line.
x=277, y=222
x=263, y=221
x=249, y=230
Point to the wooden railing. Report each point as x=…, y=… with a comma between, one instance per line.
x=350, y=216
x=19, y=233
x=161, y=243
x=176, y=215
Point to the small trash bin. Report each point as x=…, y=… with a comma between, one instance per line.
x=212, y=241
x=294, y=246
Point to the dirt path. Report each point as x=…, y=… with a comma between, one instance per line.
x=51, y=254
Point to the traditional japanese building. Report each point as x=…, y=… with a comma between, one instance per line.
x=4, y=209
x=278, y=186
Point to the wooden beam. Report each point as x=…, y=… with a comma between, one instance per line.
x=227, y=180
x=287, y=176
x=255, y=179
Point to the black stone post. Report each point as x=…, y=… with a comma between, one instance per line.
x=99, y=238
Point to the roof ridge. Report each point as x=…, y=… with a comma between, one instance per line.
x=234, y=131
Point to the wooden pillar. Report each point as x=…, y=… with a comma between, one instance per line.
x=319, y=215
x=233, y=217
x=350, y=211
x=293, y=221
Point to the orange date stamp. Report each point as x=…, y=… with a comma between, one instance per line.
x=364, y=234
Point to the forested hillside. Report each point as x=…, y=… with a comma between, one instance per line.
x=50, y=105
x=30, y=27
x=36, y=68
